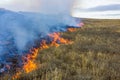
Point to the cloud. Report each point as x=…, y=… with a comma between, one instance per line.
x=112, y=7
x=99, y=9
x=94, y=3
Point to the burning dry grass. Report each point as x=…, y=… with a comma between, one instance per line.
x=72, y=29
x=29, y=59
x=94, y=55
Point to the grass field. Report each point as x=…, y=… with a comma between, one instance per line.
x=94, y=55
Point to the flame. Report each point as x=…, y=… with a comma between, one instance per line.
x=44, y=45
x=29, y=59
x=56, y=38
x=71, y=29
x=17, y=75
x=74, y=29
x=29, y=64
x=34, y=53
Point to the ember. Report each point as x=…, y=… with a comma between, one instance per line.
x=29, y=59
x=29, y=66
x=17, y=75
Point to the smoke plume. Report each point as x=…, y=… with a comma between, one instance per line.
x=56, y=6
x=19, y=29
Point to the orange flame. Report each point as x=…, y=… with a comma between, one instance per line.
x=56, y=38
x=29, y=64
x=29, y=59
x=71, y=29
x=17, y=75
x=44, y=45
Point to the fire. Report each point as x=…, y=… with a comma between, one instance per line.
x=29, y=64
x=71, y=29
x=29, y=59
x=17, y=75
x=56, y=38
x=34, y=53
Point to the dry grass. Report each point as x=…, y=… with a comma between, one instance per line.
x=94, y=55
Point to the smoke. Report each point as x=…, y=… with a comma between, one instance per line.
x=37, y=5
x=56, y=6
x=21, y=5
x=19, y=29
x=24, y=27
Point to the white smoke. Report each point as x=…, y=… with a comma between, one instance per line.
x=24, y=26
x=21, y=5
x=56, y=6
x=19, y=30
x=37, y=5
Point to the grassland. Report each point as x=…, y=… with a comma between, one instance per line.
x=94, y=55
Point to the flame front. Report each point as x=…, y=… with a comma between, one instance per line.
x=29, y=59
x=30, y=66
x=56, y=38
x=17, y=75
x=71, y=29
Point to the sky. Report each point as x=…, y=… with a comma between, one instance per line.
x=20, y=5
x=93, y=3
x=102, y=9
x=48, y=5
x=36, y=5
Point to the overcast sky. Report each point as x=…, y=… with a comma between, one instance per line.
x=20, y=5
x=34, y=5
x=97, y=9
x=58, y=5
x=93, y=3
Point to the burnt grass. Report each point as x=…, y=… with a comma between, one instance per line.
x=94, y=55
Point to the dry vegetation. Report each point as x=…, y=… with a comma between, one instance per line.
x=94, y=55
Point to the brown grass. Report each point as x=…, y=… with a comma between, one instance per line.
x=94, y=55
